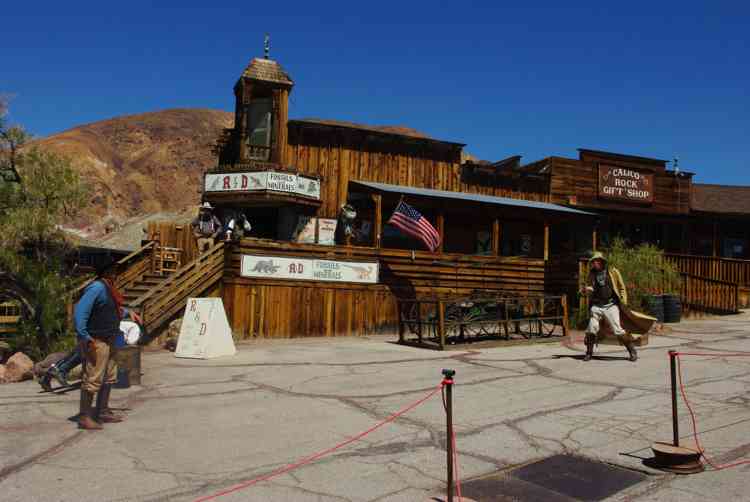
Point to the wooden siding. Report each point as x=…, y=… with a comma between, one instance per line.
x=268, y=308
x=579, y=179
x=340, y=158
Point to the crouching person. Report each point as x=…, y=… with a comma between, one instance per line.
x=607, y=296
x=97, y=318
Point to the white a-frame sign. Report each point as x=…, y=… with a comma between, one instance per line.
x=205, y=331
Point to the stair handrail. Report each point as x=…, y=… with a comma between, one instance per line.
x=181, y=275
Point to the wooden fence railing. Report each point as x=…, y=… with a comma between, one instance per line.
x=164, y=300
x=709, y=295
x=719, y=269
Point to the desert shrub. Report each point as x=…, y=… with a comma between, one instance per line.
x=645, y=271
x=47, y=330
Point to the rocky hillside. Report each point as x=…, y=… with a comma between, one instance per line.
x=142, y=164
x=148, y=164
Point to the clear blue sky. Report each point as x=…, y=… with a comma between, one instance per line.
x=656, y=78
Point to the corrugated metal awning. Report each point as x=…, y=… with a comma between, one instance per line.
x=471, y=197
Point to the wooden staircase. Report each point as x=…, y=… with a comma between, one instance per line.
x=160, y=298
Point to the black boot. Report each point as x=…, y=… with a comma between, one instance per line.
x=85, y=418
x=103, y=412
x=59, y=371
x=589, y=340
x=44, y=381
x=631, y=350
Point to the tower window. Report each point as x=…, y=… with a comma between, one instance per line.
x=260, y=128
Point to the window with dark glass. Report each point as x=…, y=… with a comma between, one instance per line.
x=260, y=127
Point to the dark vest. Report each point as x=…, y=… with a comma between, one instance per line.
x=105, y=320
x=603, y=293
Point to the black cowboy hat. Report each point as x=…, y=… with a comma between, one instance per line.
x=104, y=264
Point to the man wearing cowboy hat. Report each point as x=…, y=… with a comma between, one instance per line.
x=206, y=227
x=607, y=295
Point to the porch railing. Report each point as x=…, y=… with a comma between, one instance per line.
x=709, y=295
x=716, y=268
x=164, y=300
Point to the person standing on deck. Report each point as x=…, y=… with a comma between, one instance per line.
x=607, y=295
x=97, y=317
x=206, y=228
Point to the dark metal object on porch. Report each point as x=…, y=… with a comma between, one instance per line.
x=437, y=322
x=560, y=478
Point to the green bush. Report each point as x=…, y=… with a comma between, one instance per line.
x=644, y=269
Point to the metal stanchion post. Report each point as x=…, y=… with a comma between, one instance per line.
x=675, y=423
x=448, y=381
x=673, y=457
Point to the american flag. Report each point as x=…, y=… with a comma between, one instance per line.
x=411, y=222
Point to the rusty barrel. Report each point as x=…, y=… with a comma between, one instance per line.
x=128, y=360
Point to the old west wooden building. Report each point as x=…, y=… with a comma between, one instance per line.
x=504, y=226
x=296, y=275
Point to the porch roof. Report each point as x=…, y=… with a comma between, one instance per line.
x=472, y=197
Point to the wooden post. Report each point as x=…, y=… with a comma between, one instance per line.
x=496, y=237
x=565, y=322
x=282, y=118
x=400, y=322
x=546, y=241
x=441, y=231
x=419, y=321
x=593, y=240
x=441, y=323
x=378, y=230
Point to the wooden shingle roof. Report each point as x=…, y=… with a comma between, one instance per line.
x=267, y=70
x=721, y=199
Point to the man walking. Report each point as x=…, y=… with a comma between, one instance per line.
x=97, y=318
x=607, y=294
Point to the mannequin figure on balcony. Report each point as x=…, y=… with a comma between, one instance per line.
x=206, y=228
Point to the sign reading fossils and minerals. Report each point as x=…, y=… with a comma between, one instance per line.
x=621, y=183
x=263, y=181
x=307, y=269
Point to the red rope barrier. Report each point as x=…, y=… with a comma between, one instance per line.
x=714, y=465
x=714, y=354
x=323, y=453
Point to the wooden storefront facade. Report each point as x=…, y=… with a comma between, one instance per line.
x=504, y=227
x=283, y=174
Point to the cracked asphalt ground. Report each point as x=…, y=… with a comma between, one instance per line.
x=198, y=427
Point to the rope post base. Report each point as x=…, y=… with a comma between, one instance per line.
x=676, y=459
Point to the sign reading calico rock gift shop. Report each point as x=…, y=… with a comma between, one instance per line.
x=625, y=184
x=263, y=180
x=275, y=267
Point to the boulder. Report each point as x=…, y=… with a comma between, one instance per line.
x=18, y=368
x=2, y=373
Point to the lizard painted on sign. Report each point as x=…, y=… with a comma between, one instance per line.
x=363, y=273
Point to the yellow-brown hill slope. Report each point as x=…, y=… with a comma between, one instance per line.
x=145, y=163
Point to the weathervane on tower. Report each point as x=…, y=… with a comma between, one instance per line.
x=267, y=45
